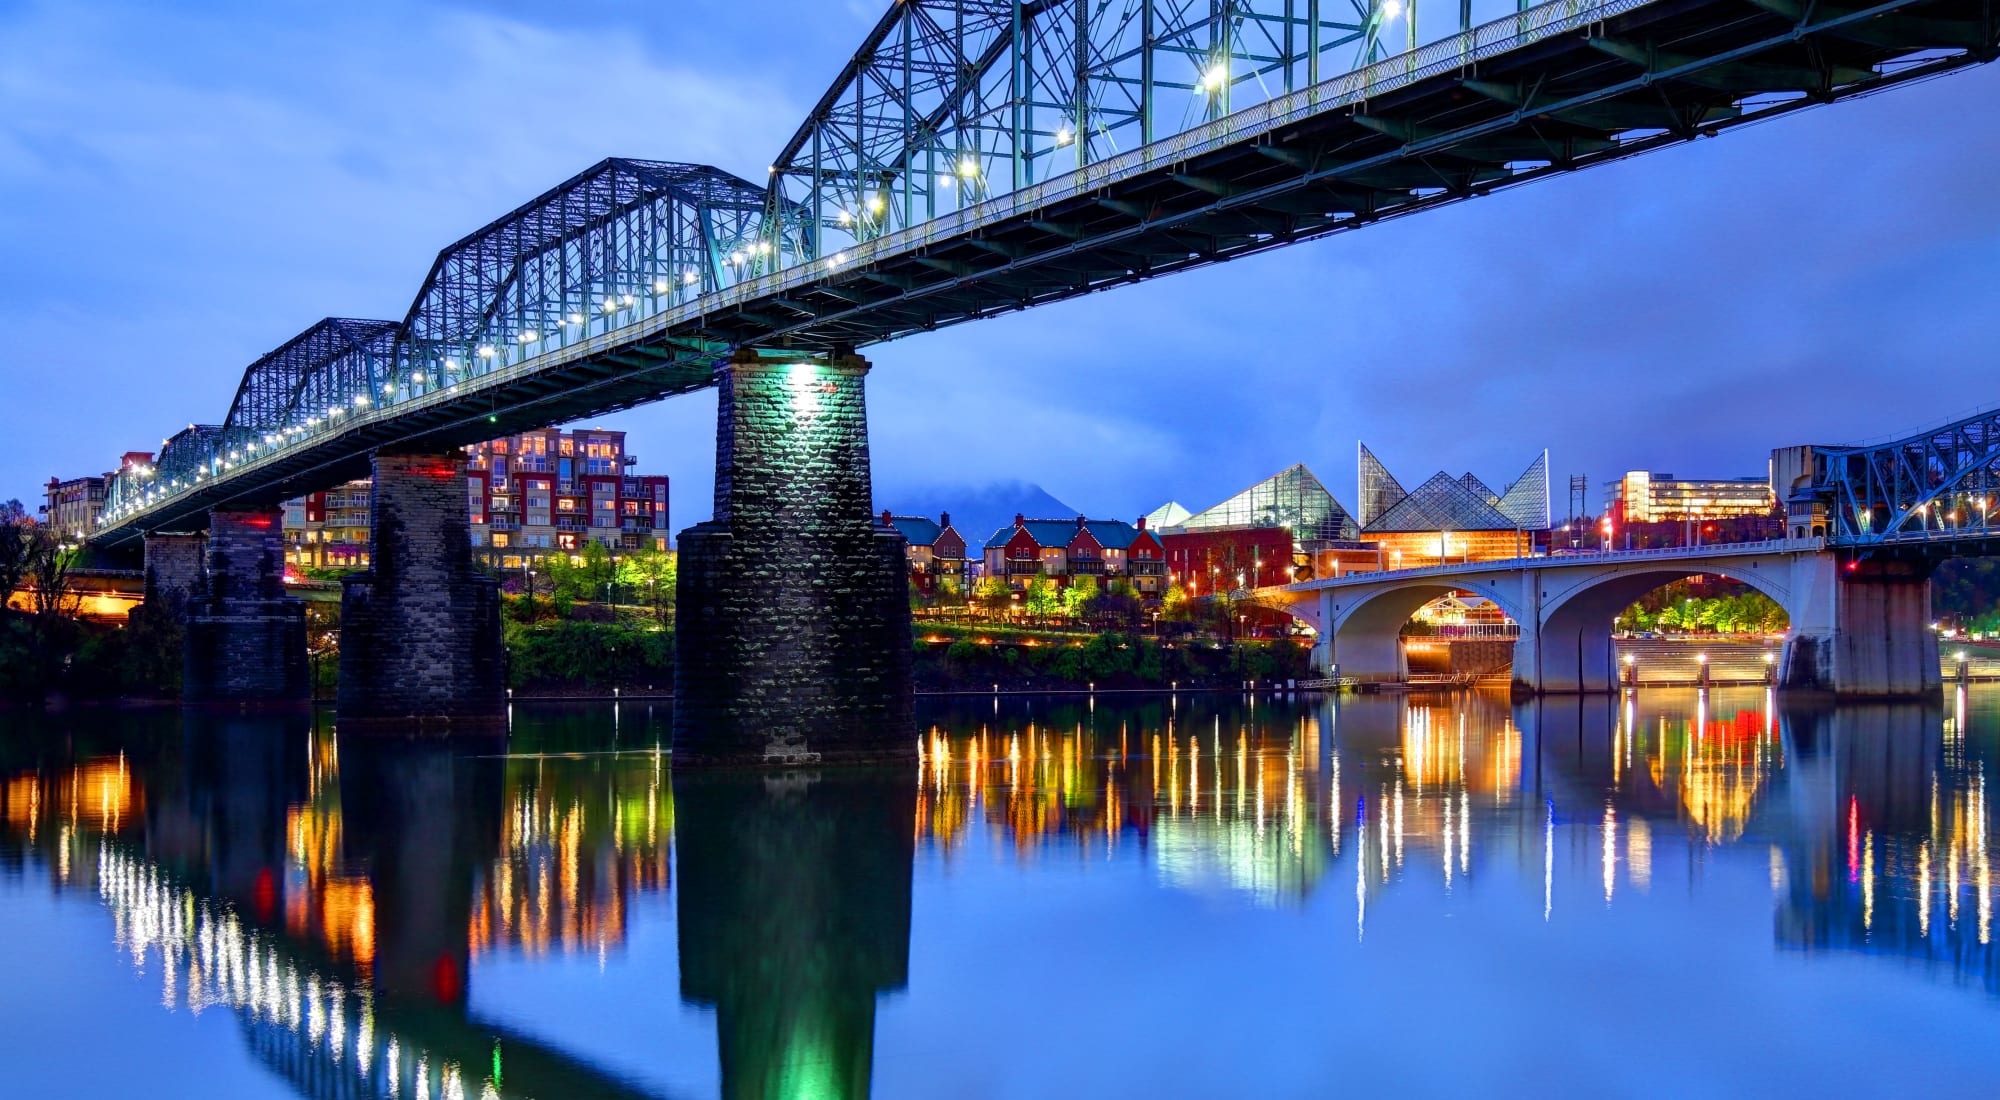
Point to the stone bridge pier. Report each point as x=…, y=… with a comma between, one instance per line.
x=793, y=604
x=420, y=629
x=246, y=639
x=1860, y=628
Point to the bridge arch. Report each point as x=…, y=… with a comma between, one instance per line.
x=1573, y=650
x=1366, y=629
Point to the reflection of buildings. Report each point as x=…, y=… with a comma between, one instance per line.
x=322, y=892
x=575, y=846
x=1895, y=858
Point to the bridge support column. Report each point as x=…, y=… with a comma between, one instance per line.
x=246, y=640
x=173, y=569
x=420, y=630
x=1872, y=639
x=793, y=604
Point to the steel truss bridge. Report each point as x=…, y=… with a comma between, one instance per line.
x=982, y=156
x=1939, y=488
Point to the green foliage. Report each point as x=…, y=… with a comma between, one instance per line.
x=1026, y=658
x=1968, y=591
x=994, y=594
x=1174, y=606
x=1673, y=610
x=1077, y=598
x=651, y=576
x=1044, y=598
x=570, y=655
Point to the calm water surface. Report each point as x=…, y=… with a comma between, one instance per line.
x=1677, y=894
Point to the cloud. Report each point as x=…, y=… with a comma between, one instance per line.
x=183, y=187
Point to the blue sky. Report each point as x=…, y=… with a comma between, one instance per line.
x=184, y=186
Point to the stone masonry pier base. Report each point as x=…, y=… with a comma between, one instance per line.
x=793, y=603
x=246, y=640
x=420, y=630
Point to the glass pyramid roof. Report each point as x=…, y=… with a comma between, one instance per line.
x=1379, y=488
x=1445, y=503
x=1170, y=514
x=1291, y=498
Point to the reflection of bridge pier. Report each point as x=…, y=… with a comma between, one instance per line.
x=1888, y=856
x=425, y=818
x=215, y=849
x=794, y=910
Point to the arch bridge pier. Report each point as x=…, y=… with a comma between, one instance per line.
x=1860, y=627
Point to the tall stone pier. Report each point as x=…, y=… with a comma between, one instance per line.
x=173, y=567
x=793, y=604
x=246, y=640
x=420, y=629
x=1872, y=638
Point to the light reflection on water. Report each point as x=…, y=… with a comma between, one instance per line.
x=405, y=919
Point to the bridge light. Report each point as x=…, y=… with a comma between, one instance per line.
x=736, y=258
x=418, y=378
x=944, y=180
x=1064, y=137
x=361, y=400
x=576, y=318
x=661, y=286
x=1391, y=9
x=629, y=300
x=968, y=167
x=875, y=205
x=486, y=352
x=689, y=278
x=1216, y=77
x=530, y=337
x=844, y=217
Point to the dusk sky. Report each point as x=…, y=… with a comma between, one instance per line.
x=184, y=186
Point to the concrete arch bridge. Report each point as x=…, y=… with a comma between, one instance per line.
x=1859, y=627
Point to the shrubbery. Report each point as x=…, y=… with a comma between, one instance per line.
x=559, y=654
x=975, y=658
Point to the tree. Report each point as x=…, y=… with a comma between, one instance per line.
x=950, y=591
x=1043, y=598
x=15, y=537
x=48, y=565
x=994, y=594
x=1174, y=606
x=595, y=572
x=1077, y=598
x=652, y=576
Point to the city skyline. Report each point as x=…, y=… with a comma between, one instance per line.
x=248, y=196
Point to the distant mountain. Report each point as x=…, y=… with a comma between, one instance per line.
x=978, y=511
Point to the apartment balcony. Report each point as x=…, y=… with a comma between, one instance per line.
x=1149, y=568
x=636, y=523
x=571, y=523
x=1087, y=567
x=1020, y=567
x=498, y=524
